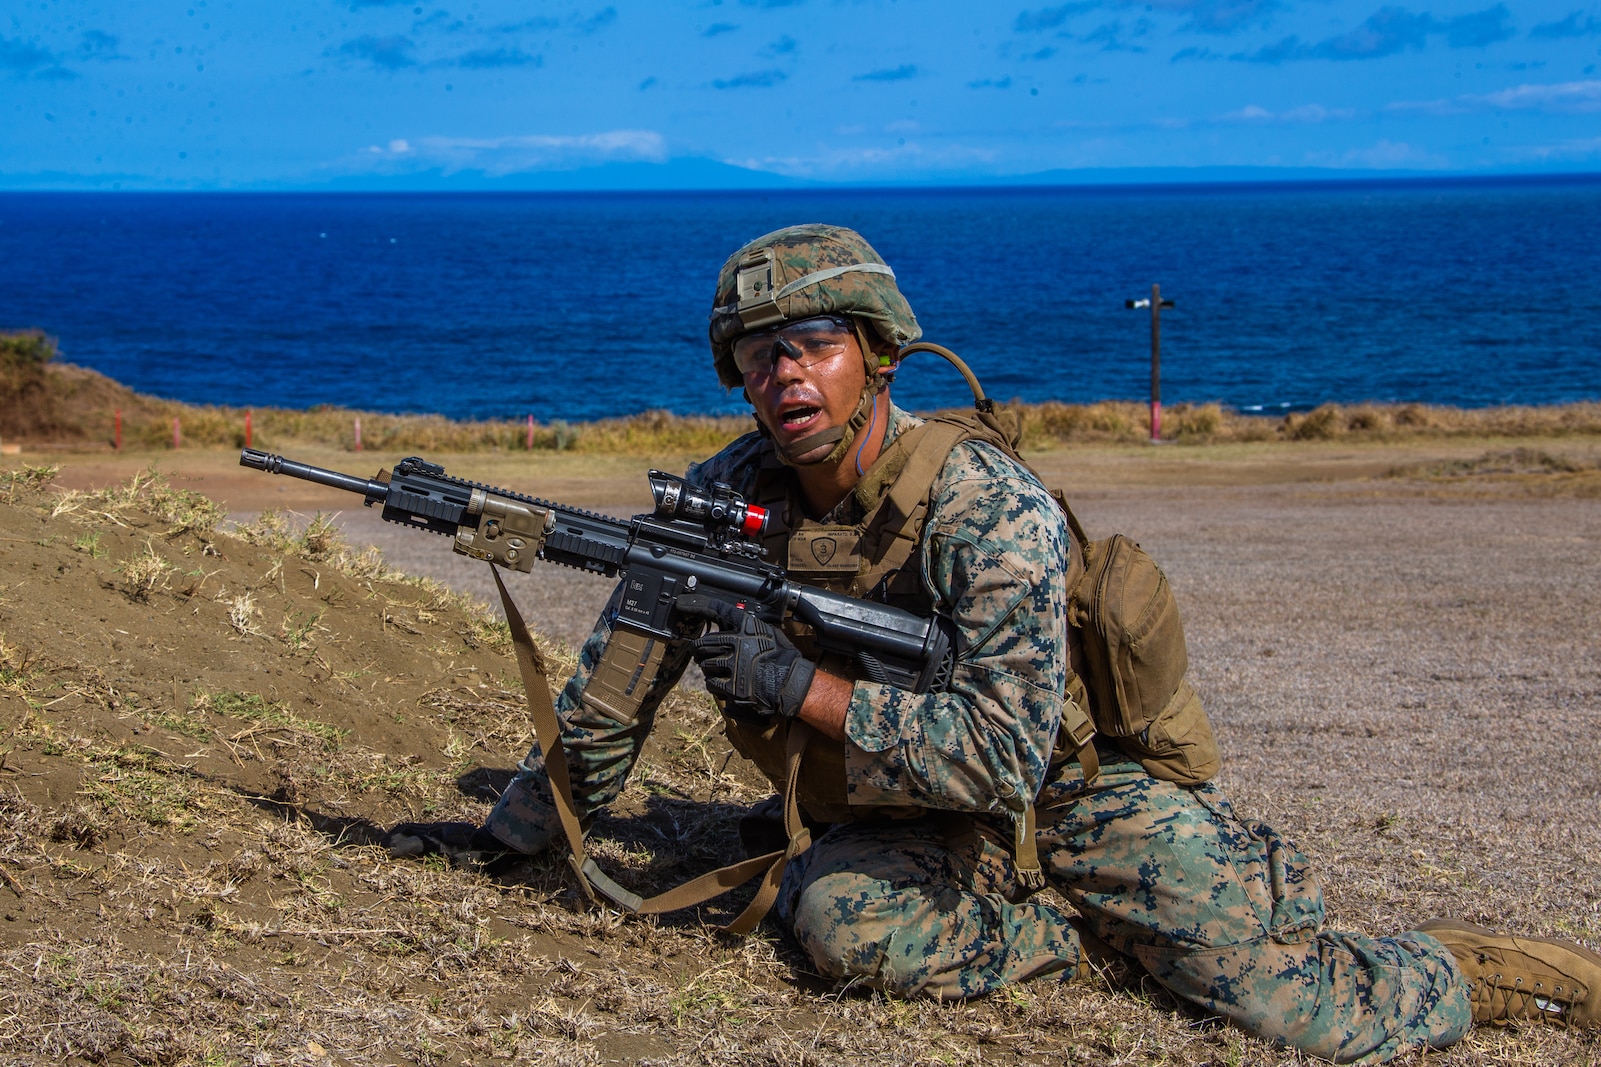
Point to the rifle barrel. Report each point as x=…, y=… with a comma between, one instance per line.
x=272, y=464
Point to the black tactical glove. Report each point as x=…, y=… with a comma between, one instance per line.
x=750, y=664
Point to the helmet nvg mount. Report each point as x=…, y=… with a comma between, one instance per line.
x=802, y=271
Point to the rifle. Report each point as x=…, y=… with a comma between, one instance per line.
x=698, y=542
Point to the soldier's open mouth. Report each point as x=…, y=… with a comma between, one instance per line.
x=798, y=417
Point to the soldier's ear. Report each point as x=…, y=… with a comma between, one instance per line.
x=888, y=356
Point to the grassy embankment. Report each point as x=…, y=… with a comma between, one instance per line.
x=43, y=402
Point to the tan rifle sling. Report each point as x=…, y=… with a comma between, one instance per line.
x=593, y=880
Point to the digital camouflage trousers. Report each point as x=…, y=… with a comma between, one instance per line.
x=1220, y=910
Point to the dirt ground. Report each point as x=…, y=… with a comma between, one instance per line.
x=204, y=732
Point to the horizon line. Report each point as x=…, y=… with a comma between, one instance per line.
x=1292, y=176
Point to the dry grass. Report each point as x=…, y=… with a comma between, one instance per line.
x=19, y=481
x=1052, y=424
x=68, y=406
x=142, y=574
x=1514, y=462
x=1528, y=471
x=146, y=494
x=1046, y=425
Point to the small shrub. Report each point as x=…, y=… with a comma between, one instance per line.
x=1320, y=424
x=90, y=543
x=1116, y=420
x=1202, y=422
x=1055, y=423
x=296, y=633
x=322, y=539
x=242, y=615
x=487, y=631
x=272, y=529
x=144, y=574
x=79, y=825
x=1367, y=419
x=16, y=669
x=1414, y=415
x=23, y=355
x=187, y=510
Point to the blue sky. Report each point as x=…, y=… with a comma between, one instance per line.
x=235, y=94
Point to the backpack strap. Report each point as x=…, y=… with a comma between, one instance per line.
x=911, y=465
x=895, y=533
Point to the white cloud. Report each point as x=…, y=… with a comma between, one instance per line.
x=1582, y=148
x=509, y=155
x=1566, y=97
x=1250, y=115
x=1382, y=155
x=1305, y=114
x=1563, y=96
x=909, y=158
x=1430, y=107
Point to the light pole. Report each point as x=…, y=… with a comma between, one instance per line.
x=1156, y=304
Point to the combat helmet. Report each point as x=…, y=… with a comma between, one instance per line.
x=796, y=273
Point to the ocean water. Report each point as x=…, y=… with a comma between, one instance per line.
x=579, y=306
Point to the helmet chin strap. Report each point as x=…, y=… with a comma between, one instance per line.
x=839, y=436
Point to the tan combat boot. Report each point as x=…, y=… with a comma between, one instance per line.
x=1524, y=979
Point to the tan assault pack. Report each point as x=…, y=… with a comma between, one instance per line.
x=1135, y=661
